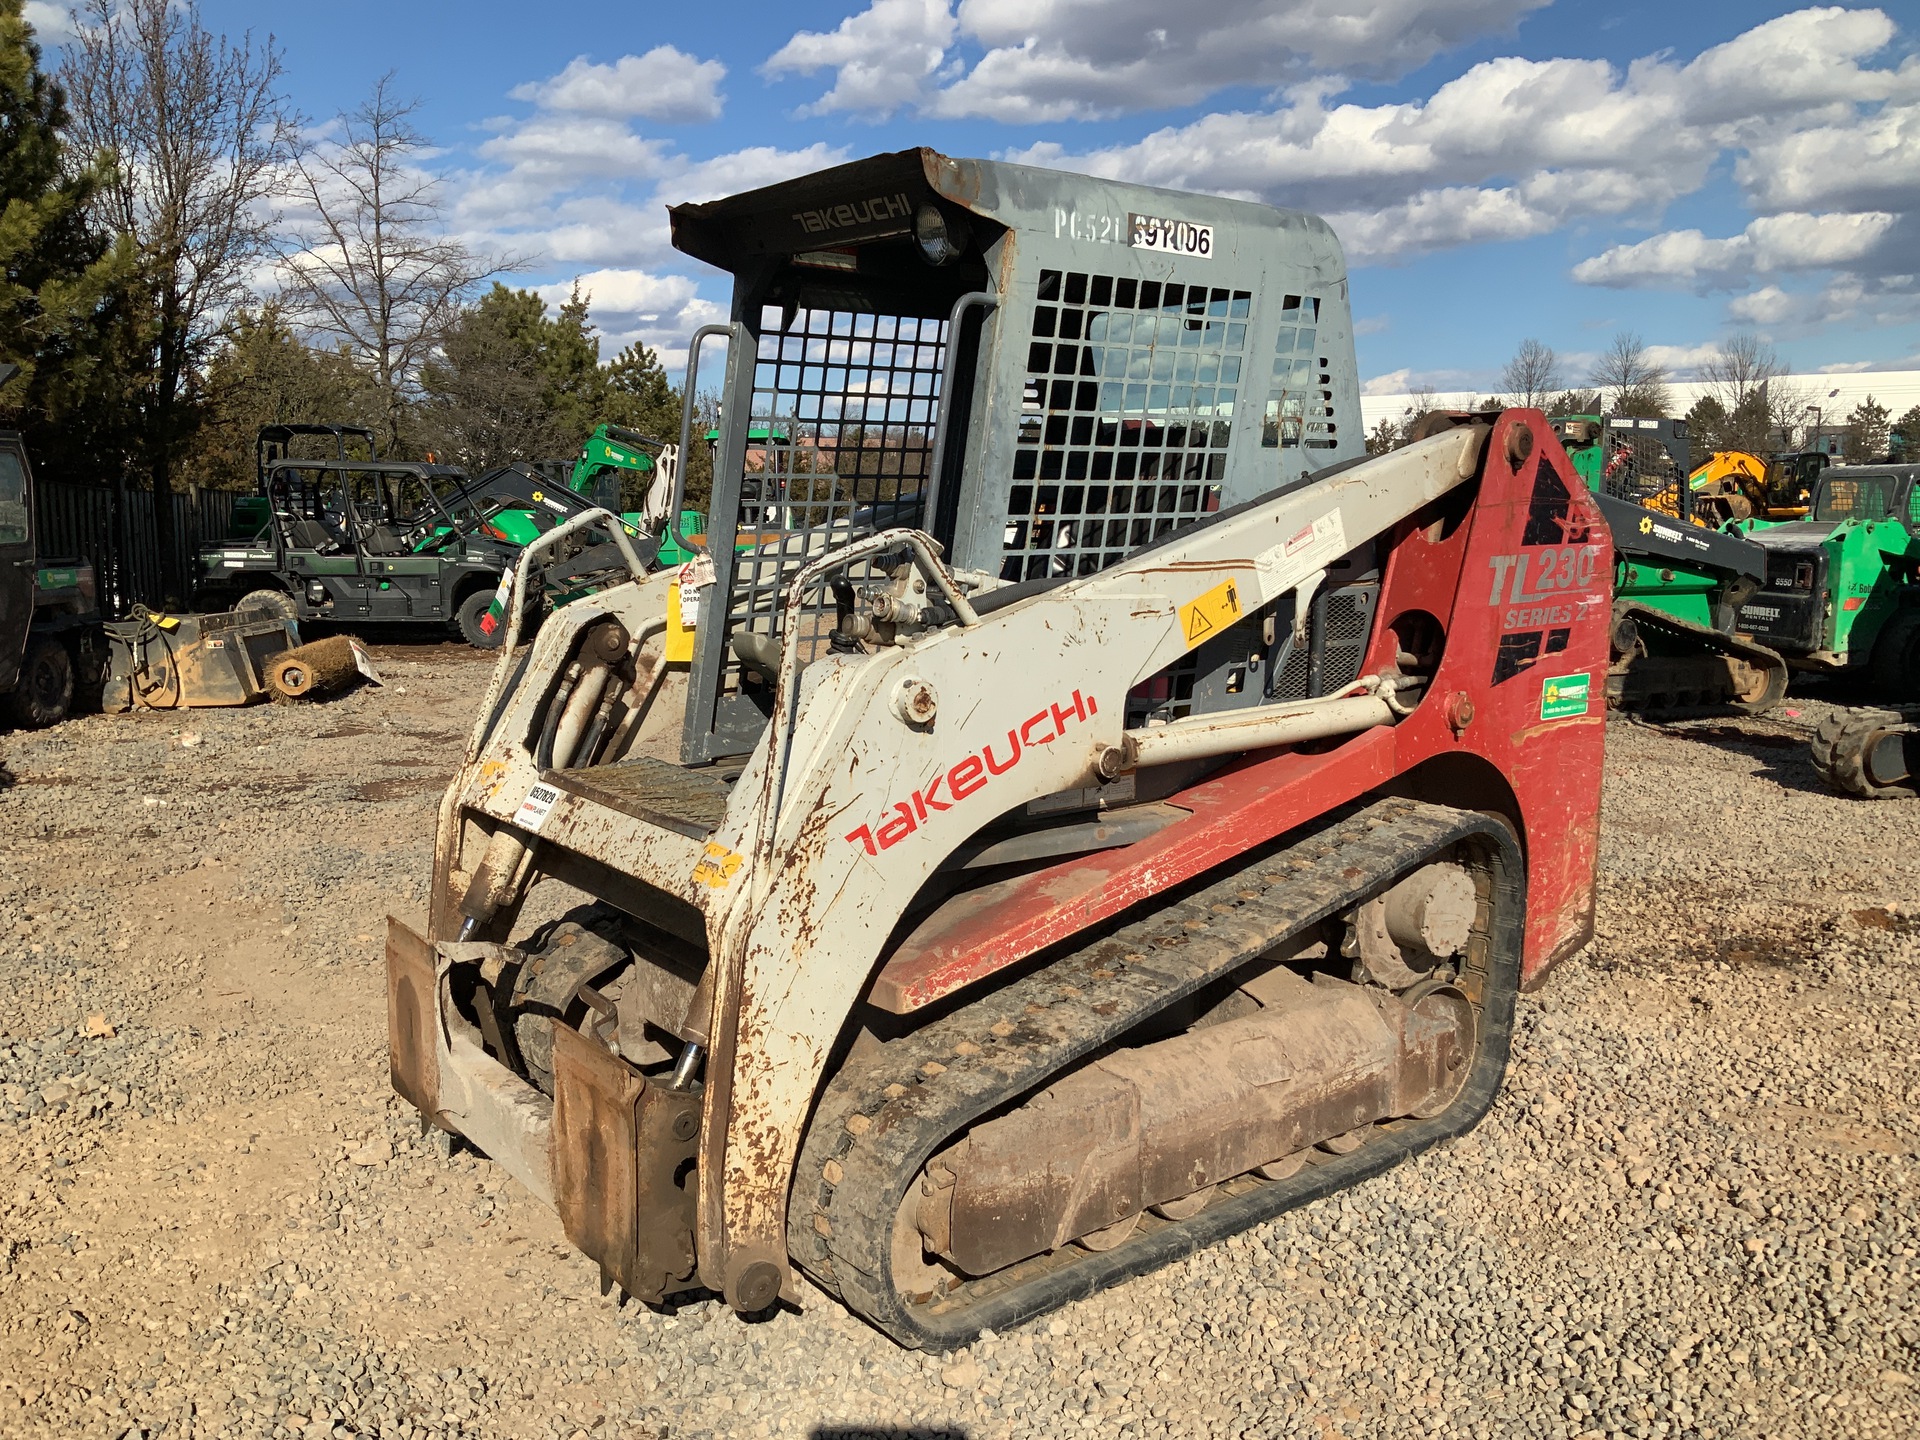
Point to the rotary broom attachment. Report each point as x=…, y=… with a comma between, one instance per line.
x=320, y=667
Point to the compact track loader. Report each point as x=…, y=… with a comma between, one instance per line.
x=1101, y=810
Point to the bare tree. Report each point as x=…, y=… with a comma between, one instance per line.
x=1629, y=379
x=369, y=268
x=1744, y=375
x=197, y=134
x=1740, y=369
x=1532, y=376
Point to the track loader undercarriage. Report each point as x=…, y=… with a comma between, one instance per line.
x=981, y=916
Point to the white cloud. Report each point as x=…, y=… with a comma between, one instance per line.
x=576, y=147
x=664, y=84
x=1519, y=147
x=881, y=57
x=563, y=199
x=1682, y=361
x=1860, y=164
x=1845, y=367
x=1044, y=60
x=52, y=24
x=1394, y=382
x=1764, y=308
x=748, y=169
x=1771, y=244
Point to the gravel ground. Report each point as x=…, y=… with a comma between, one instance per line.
x=1695, y=1211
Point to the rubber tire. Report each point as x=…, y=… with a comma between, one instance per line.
x=1840, y=749
x=43, y=693
x=276, y=603
x=1895, y=667
x=468, y=618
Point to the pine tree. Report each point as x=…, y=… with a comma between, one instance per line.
x=1904, y=438
x=1867, y=432
x=639, y=395
x=63, y=284
x=264, y=375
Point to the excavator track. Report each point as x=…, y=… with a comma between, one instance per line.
x=1722, y=672
x=1874, y=754
x=885, y=1114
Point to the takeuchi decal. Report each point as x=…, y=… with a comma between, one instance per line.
x=974, y=773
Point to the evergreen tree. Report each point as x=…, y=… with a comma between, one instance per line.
x=1867, y=432
x=1904, y=437
x=63, y=284
x=264, y=375
x=1706, y=427
x=639, y=395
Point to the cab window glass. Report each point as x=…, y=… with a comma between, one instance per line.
x=13, y=500
x=1867, y=498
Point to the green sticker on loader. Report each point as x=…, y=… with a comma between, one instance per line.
x=1563, y=696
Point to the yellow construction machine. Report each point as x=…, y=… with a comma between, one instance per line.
x=1739, y=485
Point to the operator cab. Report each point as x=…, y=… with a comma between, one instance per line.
x=1043, y=371
x=1865, y=493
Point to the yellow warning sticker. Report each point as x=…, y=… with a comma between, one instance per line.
x=716, y=867
x=1203, y=618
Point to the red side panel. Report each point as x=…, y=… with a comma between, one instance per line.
x=1513, y=723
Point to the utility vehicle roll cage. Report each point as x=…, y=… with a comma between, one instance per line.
x=365, y=508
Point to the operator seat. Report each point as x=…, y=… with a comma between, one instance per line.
x=311, y=535
x=384, y=540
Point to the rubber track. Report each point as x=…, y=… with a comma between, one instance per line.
x=880, y=1119
x=1840, y=750
x=1759, y=656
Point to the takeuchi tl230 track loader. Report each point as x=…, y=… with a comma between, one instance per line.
x=1100, y=810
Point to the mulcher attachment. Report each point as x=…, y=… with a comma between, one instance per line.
x=883, y=1118
x=1874, y=754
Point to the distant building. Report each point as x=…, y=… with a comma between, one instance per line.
x=1821, y=424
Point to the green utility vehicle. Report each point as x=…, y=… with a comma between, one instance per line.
x=1842, y=587
x=1678, y=587
x=50, y=640
x=358, y=540
x=393, y=542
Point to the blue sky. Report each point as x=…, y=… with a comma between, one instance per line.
x=1497, y=168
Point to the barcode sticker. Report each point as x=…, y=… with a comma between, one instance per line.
x=534, y=810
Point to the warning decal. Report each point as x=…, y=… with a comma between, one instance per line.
x=716, y=867
x=1310, y=548
x=1207, y=616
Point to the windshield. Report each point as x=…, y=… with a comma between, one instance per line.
x=1865, y=497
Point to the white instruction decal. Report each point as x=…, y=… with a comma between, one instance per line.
x=534, y=810
x=1310, y=548
x=362, y=661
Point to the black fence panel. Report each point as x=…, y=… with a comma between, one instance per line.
x=115, y=531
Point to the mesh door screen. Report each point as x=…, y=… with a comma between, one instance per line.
x=1638, y=468
x=1125, y=421
x=844, y=406
x=1299, y=411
